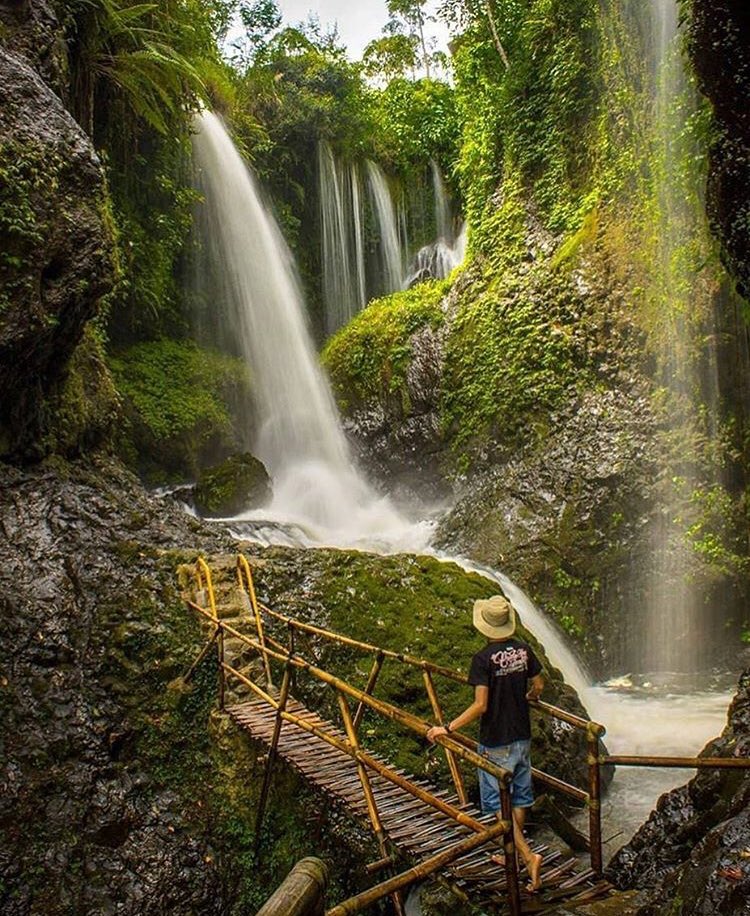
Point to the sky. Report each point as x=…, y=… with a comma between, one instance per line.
x=359, y=21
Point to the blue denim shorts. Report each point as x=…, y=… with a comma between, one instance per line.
x=516, y=758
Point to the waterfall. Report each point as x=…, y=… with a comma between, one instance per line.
x=443, y=222
x=680, y=303
x=299, y=438
x=344, y=287
x=437, y=260
x=385, y=214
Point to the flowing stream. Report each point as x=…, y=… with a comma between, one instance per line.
x=321, y=499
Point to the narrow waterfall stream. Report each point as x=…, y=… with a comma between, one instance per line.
x=321, y=499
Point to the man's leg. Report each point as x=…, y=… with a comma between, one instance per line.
x=522, y=797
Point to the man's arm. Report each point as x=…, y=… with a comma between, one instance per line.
x=536, y=686
x=481, y=696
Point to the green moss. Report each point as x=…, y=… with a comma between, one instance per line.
x=367, y=360
x=179, y=401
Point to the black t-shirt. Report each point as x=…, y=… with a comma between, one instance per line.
x=504, y=668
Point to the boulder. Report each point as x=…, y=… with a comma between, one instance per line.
x=240, y=482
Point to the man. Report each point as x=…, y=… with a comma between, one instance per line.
x=505, y=675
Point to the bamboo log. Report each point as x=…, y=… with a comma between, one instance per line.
x=203, y=653
x=302, y=893
x=250, y=589
x=417, y=873
x=369, y=689
x=203, y=570
x=594, y=803
x=271, y=759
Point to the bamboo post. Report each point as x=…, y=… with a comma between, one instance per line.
x=418, y=872
x=364, y=778
x=594, y=802
x=203, y=571
x=511, y=862
x=369, y=688
x=203, y=653
x=222, y=679
x=249, y=586
x=458, y=780
x=280, y=710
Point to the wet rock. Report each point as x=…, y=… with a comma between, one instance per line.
x=692, y=856
x=85, y=827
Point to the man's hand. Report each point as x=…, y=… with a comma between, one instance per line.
x=435, y=732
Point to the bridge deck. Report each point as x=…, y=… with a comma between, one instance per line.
x=415, y=828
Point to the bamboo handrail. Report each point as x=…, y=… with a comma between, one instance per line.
x=687, y=763
x=202, y=570
x=243, y=569
x=412, y=722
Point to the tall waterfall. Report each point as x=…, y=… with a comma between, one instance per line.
x=300, y=438
x=680, y=302
x=385, y=213
x=343, y=255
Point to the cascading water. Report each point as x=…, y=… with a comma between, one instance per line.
x=680, y=300
x=344, y=286
x=437, y=260
x=320, y=499
x=300, y=438
x=443, y=221
x=385, y=213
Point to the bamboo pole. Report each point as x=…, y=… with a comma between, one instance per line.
x=249, y=586
x=369, y=688
x=270, y=760
x=202, y=654
x=458, y=780
x=688, y=763
x=364, y=778
x=595, y=803
x=418, y=872
x=302, y=892
x=220, y=653
x=203, y=570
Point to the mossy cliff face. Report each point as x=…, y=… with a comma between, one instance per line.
x=56, y=261
x=584, y=392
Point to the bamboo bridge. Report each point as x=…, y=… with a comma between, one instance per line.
x=436, y=831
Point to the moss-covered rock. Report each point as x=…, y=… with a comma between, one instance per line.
x=412, y=604
x=240, y=482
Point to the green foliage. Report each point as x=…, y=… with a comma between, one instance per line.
x=511, y=357
x=176, y=398
x=367, y=360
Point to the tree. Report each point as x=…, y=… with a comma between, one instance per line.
x=391, y=56
x=411, y=14
x=260, y=19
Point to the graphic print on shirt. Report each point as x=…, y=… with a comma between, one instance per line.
x=513, y=660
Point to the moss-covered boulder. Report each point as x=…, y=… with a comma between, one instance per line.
x=240, y=482
x=412, y=604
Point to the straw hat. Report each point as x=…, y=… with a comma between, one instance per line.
x=495, y=617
